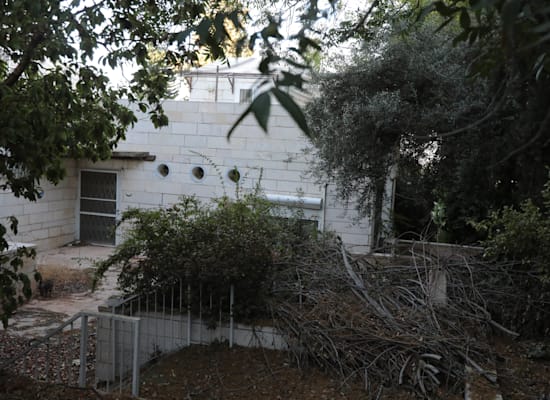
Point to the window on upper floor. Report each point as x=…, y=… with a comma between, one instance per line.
x=245, y=96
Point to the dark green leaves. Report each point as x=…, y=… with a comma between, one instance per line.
x=293, y=109
x=235, y=242
x=464, y=19
x=54, y=104
x=260, y=108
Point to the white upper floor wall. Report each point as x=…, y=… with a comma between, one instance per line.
x=236, y=82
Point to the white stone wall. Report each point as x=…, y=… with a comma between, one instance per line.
x=195, y=137
x=50, y=221
x=200, y=127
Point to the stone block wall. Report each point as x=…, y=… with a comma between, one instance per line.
x=50, y=221
x=196, y=137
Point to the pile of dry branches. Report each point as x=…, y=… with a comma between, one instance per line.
x=414, y=322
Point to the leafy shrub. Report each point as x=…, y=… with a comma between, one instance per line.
x=518, y=241
x=521, y=236
x=236, y=242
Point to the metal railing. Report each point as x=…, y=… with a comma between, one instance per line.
x=67, y=354
x=177, y=316
x=175, y=306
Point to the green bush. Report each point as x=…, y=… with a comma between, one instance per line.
x=235, y=242
x=521, y=236
x=518, y=243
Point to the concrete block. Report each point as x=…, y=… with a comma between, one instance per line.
x=12, y=210
x=31, y=208
x=195, y=142
x=221, y=108
x=155, y=139
x=218, y=118
x=184, y=128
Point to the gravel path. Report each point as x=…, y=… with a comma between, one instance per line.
x=58, y=360
x=54, y=361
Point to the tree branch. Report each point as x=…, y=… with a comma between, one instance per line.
x=544, y=127
x=362, y=20
x=495, y=108
x=36, y=39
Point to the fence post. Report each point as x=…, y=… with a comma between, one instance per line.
x=83, y=350
x=231, y=327
x=189, y=314
x=135, y=369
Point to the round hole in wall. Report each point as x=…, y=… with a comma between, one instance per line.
x=198, y=173
x=234, y=175
x=163, y=170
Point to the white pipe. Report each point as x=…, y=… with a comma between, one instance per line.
x=310, y=203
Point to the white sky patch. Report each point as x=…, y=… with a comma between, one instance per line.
x=350, y=9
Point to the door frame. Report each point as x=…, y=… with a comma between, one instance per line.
x=117, y=201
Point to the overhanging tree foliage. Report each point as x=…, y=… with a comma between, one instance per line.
x=388, y=108
x=55, y=103
x=489, y=126
x=511, y=140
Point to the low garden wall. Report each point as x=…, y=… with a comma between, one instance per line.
x=165, y=332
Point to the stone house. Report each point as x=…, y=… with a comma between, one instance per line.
x=190, y=156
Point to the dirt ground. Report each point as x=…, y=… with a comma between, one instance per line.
x=65, y=280
x=523, y=369
x=217, y=372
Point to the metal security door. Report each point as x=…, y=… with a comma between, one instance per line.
x=98, y=203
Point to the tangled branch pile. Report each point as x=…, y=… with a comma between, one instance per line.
x=416, y=324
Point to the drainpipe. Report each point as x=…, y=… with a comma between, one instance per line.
x=322, y=222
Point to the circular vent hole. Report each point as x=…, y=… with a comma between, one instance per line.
x=198, y=173
x=163, y=170
x=234, y=175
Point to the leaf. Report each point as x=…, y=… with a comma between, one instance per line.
x=306, y=42
x=264, y=65
x=293, y=109
x=443, y=9
x=271, y=31
x=293, y=63
x=290, y=79
x=465, y=19
x=203, y=30
x=509, y=13
x=13, y=224
x=260, y=107
x=461, y=37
